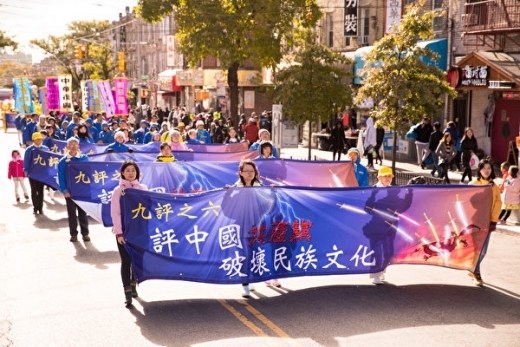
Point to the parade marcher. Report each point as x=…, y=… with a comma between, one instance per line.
x=202, y=134
x=106, y=136
x=446, y=152
x=36, y=186
x=248, y=177
x=72, y=154
x=263, y=135
x=19, y=127
x=422, y=141
x=72, y=125
x=15, y=172
x=232, y=136
x=265, y=151
x=30, y=129
x=511, y=196
x=380, y=233
x=148, y=137
x=468, y=147
x=119, y=144
x=337, y=140
x=166, y=155
x=130, y=175
x=485, y=176
x=92, y=131
x=176, y=144
x=141, y=132
x=83, y=134
x=360, y=170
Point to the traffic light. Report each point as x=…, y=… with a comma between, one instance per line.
x=121, y=61
x=80, y=52
x=77, y=52
x=122, y=34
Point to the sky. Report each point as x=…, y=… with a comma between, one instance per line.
x=25, y=20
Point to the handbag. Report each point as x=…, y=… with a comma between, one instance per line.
x=473, y=162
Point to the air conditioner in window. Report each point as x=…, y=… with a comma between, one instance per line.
x=362, y=40
x=469, y=19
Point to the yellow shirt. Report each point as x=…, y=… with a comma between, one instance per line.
x=497, y=201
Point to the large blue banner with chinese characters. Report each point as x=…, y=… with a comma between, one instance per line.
x=91, y=183
x=243, y=235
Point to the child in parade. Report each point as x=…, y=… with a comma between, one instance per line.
x=485, y=176
x=130, y=175
x=265, y=151
x=511, y=195
x=176, y=144
x=15, y=172
x=360, y=170
x=504, y=169
x=166, y=155
x=232, y=136
x=192, y=137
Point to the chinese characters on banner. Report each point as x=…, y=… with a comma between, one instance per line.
x=350, y=18
x=65, y=90
x=53, y=93
x=244, y=235
x=170, y=51
x=43, y=99
x=393, y=14
x=95, y=104
x=107, y=99
x=84, y=96
x=121, y=86
x=22, y=96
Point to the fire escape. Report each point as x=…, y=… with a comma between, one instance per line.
x=489, y=24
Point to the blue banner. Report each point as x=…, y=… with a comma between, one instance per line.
x=244, y=235
x=91, y=183
x=22, y=96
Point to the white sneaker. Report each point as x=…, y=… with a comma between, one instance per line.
x=246, y=293
x=276, y=284
x=268, y=283
x=377, y=279
x=51, y=194
x=382, y=276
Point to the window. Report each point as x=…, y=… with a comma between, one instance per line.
x=330, y=30
x=437, y=21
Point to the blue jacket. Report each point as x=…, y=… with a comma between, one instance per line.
x=360, y=170
x=117, y=147
x=139, y=135
x=203, y=134
x=71, y=127
x=62, y=170
x=29, y=129
x=27, y=157
x=18, y=123
x=106, y=136
x=256, y=146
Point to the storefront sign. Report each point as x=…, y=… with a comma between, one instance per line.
x=393, y=14
x=350, y=18
x=501, y=84
x=475, y=76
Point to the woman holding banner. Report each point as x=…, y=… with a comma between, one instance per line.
x=129, y=179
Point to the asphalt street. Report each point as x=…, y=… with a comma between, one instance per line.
x=57, y=293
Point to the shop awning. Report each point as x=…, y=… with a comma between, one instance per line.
x=168, y=81
x=439, y=46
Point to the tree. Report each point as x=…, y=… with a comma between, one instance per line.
x=402, y=86
x=314, y=84
x=234, y=31
x=10, y=70
x=6, y=41
x=99, y=62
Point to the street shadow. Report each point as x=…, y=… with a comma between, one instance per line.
x=87, y=253
x=347, y=311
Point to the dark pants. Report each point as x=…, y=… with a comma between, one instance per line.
x=504, y=214
x=383, y=248
x=73, y=218
x=127, y=275
x=36, y=194
x=445, y=168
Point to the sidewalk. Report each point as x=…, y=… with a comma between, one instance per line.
x=301, y=153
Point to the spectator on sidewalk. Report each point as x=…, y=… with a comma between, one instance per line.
x=511, y=196
x=423, y=132
x=337, y=140
x=468, y=147
x=435, y=138
x=446, y=152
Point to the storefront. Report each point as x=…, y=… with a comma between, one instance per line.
x=489, y=88
x=168, y=90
